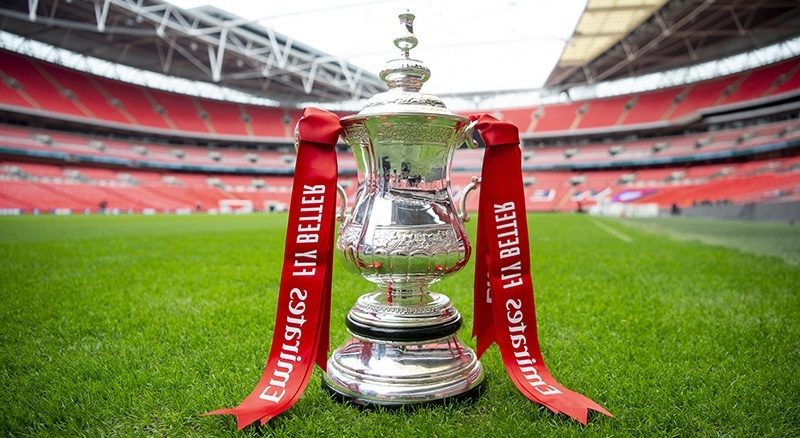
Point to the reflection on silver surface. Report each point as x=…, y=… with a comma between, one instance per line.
x=404, y=233
x=404, y=229
x=394, y=374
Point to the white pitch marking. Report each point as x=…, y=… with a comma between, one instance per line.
x=623, y=237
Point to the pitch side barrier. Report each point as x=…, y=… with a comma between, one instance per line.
x=754, y=211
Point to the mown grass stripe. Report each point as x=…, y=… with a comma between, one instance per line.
x=619, y=235
x=762, y=238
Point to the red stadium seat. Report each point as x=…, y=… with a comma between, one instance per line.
x=603, y=112
x=88, y=96
x=60, y=91
x=181, y=110
x=702, y=95
x=759, y=81
x=557, y=117
x=47, y=95
x=271, y=122
x=134, y=103
x=225, y=117
x=652, y=106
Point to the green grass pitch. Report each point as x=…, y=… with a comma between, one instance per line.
x=136, y=325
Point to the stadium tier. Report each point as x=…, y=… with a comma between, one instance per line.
x=28, y=142
x=34, y=86
x=40, y=88
x=25, y=142
x=662, y=107
x=33, y=187
x=163, y=155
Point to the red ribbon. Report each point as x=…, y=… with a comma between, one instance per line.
x=301, y=324
x=505, y=311
x=504, y=306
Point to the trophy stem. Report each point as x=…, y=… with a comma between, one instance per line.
x=407, y=293
x=403, y=350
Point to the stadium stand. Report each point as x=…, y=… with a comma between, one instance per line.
x=557, y=117
x=49, y=90
x=666, y=105
x=602, y=112
x=573, y=154
x=102, y=100
x=34, y=187
x=670, y=148
x=26, y=142
x=756, y=181
x=74, y=141
x=651, y=106
x=23, y=141
x=702, y=95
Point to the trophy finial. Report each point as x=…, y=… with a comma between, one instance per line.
x=405, y=73
x=408, y=42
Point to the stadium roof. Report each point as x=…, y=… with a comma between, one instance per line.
x=676, y=34
x=205, y=44
x=603, y=23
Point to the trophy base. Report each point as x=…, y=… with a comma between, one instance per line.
x=393, y=374
x=471, y=395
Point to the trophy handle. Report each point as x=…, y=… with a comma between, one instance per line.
x=341, y=215
x=468, y=135
x=474, y=184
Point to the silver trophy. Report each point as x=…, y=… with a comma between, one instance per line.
x=404, y=233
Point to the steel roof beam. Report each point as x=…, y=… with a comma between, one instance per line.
x=658, y=39
x=33, y=5
x=687, y=31
x=176, y=20
x=236, y=48
x=101, y=14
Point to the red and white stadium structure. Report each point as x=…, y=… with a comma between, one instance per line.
x=79, y=142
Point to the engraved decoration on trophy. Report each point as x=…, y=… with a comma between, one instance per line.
x=404, y=233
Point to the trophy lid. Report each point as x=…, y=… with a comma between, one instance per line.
x=405, y=77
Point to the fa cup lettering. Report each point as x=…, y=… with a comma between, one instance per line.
x=505, y=219
x=308, y=227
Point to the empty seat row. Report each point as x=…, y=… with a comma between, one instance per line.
x=755, y=181
x=16, y=137
x=660, y=105
x=36, y=85
x=31, y=187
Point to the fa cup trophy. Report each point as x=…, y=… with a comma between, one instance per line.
x=404, y=233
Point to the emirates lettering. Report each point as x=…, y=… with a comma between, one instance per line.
x=308, y=228
x=309, y=224
x=292, y=334
x=516, y=327
x=511, y=276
